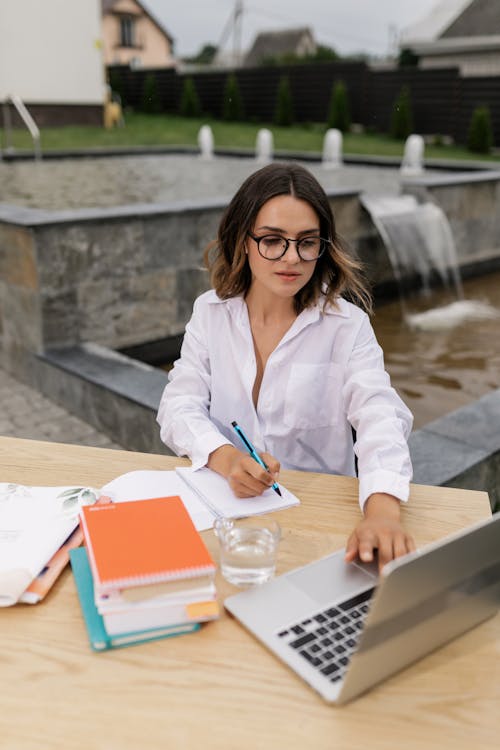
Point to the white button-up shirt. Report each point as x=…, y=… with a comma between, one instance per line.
x=326, y=374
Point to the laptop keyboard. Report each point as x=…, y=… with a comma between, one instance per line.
x=328, y=638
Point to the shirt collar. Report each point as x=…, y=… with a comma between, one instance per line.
x=311, y=314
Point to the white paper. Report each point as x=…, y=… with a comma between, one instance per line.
x=141, y=485
x=114, y=602
x=223, y=502
x=204, y=493
x=34, y=522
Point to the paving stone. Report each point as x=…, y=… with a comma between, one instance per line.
x=25, y=413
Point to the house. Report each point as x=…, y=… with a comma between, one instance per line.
x=268, y=44
x=458, y=33
x=131, y=35
x=50, y=58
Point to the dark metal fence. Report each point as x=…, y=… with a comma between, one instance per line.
x=442, y=101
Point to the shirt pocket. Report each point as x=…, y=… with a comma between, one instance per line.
x=313, y=396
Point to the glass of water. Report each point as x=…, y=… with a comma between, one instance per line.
x=248, y=549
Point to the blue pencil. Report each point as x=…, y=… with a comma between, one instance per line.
x=253, y=453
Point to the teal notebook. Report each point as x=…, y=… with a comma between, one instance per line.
x=98, y=637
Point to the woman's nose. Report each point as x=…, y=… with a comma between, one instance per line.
x=291, y=255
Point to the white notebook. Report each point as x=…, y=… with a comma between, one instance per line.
x=205, y=494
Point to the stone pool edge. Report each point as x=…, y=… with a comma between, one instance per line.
x=119, y=396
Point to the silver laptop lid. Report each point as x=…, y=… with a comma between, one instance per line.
x=426, y=599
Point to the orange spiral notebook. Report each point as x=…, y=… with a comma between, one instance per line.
x=141, y=542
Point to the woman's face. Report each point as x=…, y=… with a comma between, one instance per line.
x=292, y=218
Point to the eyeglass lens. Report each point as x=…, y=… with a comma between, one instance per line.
x=274, y=246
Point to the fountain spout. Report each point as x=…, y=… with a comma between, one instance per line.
x=264, y=146
x=332, y=149
x=206, y=142
x=413, y=157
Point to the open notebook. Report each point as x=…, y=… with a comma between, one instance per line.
x=205, y=494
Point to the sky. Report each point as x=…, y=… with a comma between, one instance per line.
x=349, y=26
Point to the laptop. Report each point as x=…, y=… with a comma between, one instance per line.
x=343, y=628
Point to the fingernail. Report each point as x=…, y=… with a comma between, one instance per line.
x=366, y=556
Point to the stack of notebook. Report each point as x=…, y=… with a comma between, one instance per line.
x=144, y=572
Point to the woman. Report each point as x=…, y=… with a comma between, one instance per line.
x=277, y=347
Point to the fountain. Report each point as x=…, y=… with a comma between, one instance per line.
x=264, y=146
x=139, y=222
x=206, y=142
x=413, y=157
x=420, y=245
x=332, y=149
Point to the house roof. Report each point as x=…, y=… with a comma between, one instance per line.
x=271, y=43
x=435, y=23
x=108, y=5
x=458, y=45
x=480, y=18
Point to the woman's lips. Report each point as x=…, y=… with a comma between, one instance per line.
x=287, y=276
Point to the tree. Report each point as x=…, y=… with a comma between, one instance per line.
x=232, y=108
x=324, y=54
x=338, y=113
x=407, y=58
x=150, y=97
x=402, y=118
x=190, y=103
x=284, y=108
x=205, y=56
x=480, y=134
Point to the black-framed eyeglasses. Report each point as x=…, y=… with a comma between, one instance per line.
x=274, y=246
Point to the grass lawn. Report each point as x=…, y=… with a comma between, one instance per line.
x=161, y=130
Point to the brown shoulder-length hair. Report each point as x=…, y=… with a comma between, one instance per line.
x=336, y=273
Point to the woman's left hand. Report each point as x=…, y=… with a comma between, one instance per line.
x=379, y=530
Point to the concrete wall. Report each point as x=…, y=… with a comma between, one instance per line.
x=76, y=285
x=470, y=63
x=124, y=276
x=118, y=277
x=50, y=51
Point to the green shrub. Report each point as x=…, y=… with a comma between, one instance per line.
x=190, y=103
x=402, y=118
x=284, y=107
x=480, y=135
x=339, y=112
x=232, y=109
x=150, y=97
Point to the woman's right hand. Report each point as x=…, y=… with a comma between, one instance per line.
x=245, y=476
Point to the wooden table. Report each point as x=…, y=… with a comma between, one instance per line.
x=219, y=688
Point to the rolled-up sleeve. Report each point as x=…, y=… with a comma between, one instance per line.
x=381, y=419
x=183, y=414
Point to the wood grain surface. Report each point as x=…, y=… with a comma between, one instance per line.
x=219, y=688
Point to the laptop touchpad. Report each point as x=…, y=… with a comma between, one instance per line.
x=331, y=578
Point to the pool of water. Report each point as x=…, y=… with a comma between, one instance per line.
x=113, y=181
x=438, y=371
